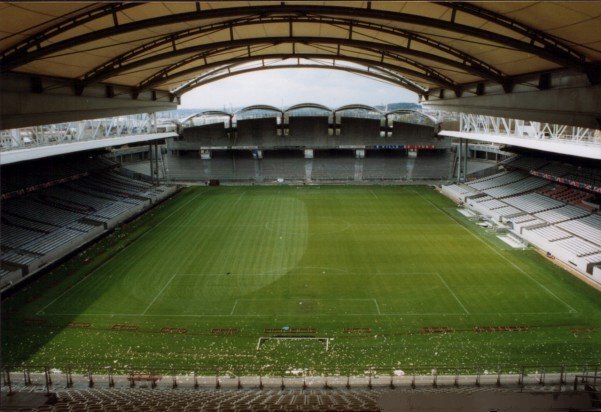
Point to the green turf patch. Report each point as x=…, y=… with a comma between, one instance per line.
x=391, y=276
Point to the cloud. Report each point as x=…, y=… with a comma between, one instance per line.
x=286, y=87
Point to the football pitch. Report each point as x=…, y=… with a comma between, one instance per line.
x=391, y=276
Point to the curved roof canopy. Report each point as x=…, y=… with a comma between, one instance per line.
x=175, y=46
x=207, y=113
x=358, y=106
x=308, y=105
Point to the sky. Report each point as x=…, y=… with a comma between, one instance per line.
x=286, y=87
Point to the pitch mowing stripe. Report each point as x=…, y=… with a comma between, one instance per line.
x=572, y=310
x=115, y=254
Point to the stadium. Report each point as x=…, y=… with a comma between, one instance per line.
x=440, y=255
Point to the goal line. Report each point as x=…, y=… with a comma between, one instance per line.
x=324, y=340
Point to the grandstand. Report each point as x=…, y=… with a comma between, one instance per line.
x=44, y=218
x=538, y=205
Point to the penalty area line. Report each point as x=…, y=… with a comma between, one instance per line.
x=452, y=293
x=377, y=306
x=157, y=295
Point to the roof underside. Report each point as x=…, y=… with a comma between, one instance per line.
x=181, y=45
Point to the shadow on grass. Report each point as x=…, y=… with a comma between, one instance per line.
x=25, y=329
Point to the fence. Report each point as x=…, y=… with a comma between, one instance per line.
x=571, y=376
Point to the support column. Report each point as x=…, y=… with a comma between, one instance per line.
x=359, y=170
x=308, y=153
x=156, y=161
x=360, y=153
x=15, y=137
x=308, y=170
x=152, y=120
x=386, y=126
x=459, y=162
x=465, y=157
x=150, y=160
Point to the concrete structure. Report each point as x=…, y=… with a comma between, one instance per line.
x=19, y=155
x=252, y=133
x=496, y=58
x=357, y=129
x=308, y=129
x=209, y=135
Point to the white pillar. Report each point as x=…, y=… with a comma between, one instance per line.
x=152, y=122
x=308, y=153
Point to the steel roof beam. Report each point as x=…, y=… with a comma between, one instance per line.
x=365, y=45
x=22, y=48
x=301, y=66
x=549, y=42
x=348, y=24
x=548, y=53
x=369, y=70
x=167, y=76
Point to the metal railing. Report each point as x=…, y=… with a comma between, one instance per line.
x=571, y=377
x=83, y=130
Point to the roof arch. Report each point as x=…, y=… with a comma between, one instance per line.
x=308, y=105
x=216, y=113
x=263, y=107
x=358, y=106
x=431, y=45
x=224, y=72
x=433, y=119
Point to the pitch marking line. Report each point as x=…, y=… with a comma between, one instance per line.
x=373, y=193
x=158, y=294
x=572, y=310
x=377, y=306
x=452, y=293
x=285, y=272
x=41, y=311
x=307, y=300
x=309, y=315
x=239, y=198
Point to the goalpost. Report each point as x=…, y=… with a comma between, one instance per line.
x=324, y=340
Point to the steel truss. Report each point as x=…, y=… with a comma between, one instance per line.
x=55, y=39
x=79, y=131
x=482, y=124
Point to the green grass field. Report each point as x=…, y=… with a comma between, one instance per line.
x=394, y=260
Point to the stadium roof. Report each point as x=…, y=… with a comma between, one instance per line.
x=421, y=45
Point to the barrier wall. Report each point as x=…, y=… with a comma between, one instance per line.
x=413, y=134
x=206, y=135
x=309, y=131
x=254, y=132
x=356, y=130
